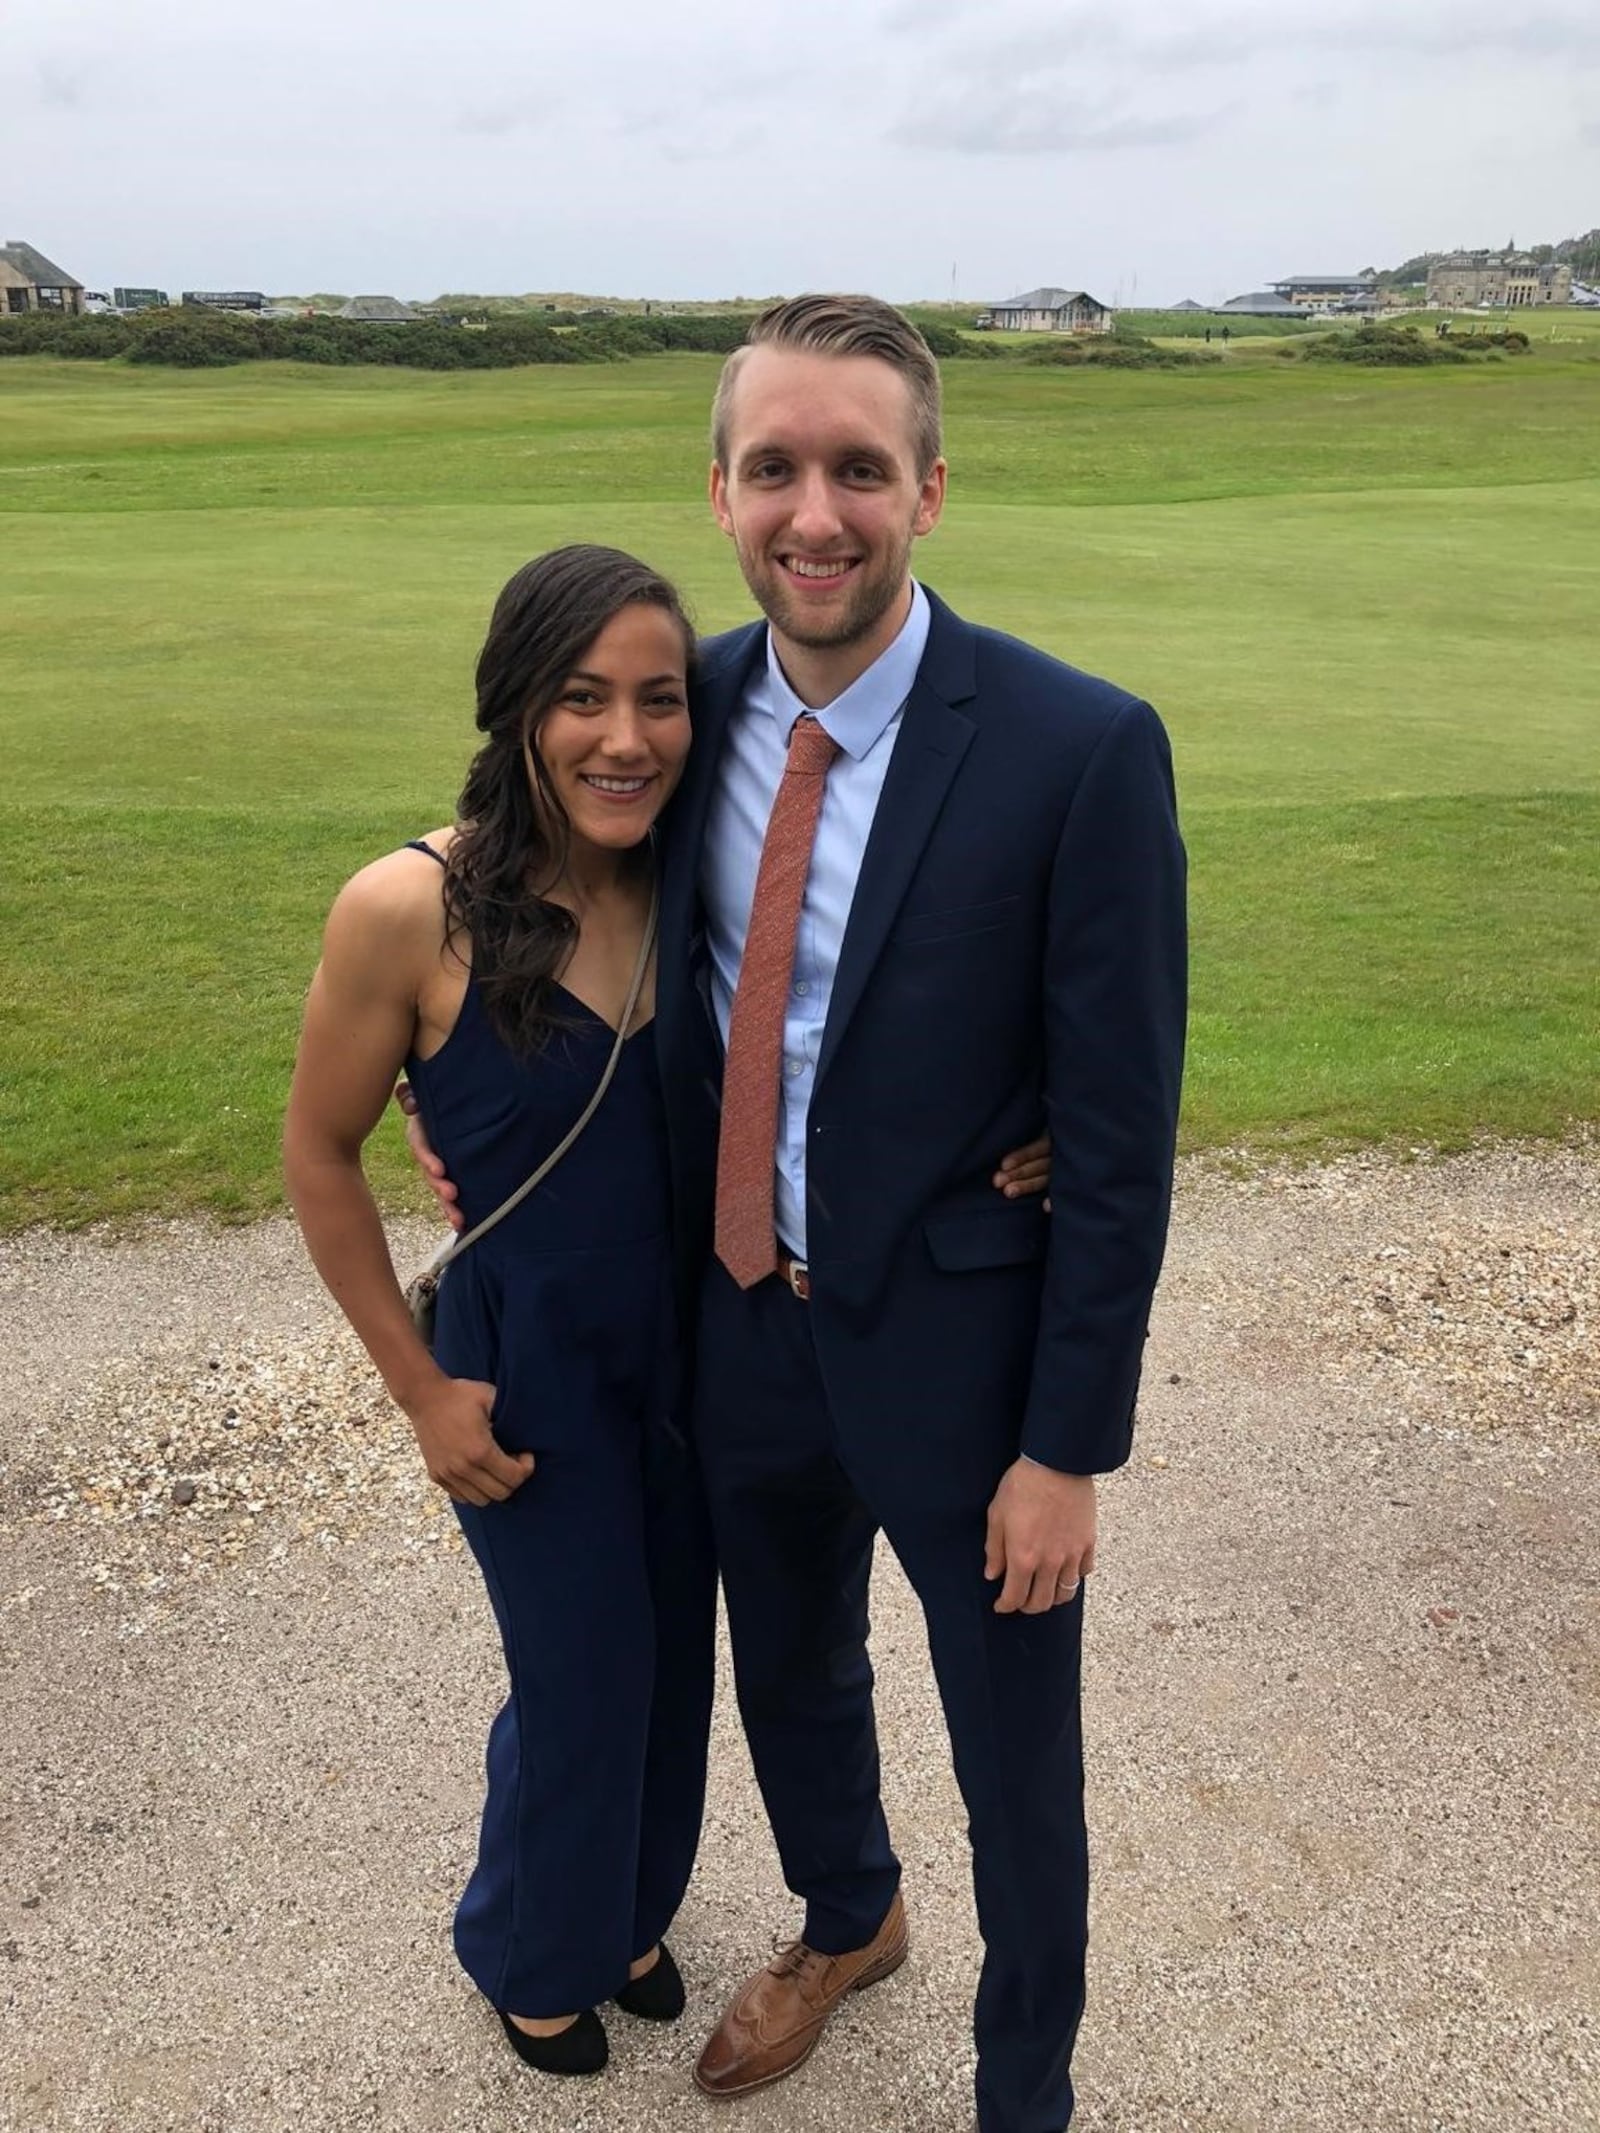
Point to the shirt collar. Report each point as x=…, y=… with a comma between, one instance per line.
x=859, y=717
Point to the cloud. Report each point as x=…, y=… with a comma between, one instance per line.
x=1081, y=80
x=911, y=17
x=508, y=115
x=1035, y=122
x=1231, y=37
x=62, y=83
x=716, y=146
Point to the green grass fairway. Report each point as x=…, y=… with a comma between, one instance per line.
x=239, y=610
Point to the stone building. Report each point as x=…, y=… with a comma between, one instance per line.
x=28, y=282
x=1505, y=280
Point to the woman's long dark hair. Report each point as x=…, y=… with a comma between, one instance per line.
x=512, y=833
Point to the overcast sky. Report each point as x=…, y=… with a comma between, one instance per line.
x=1142, y=149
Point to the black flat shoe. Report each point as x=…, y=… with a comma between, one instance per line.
x=581, y=2048
x=658, y=1996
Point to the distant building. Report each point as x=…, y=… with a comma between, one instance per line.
x=1330, y=292
x=28, y=282
x=1261, y=303
x=1053, y=311
x=1510, y=281
x=379, y=311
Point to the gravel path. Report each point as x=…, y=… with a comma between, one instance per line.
x=1343, y=1684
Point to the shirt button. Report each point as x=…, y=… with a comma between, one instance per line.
x=795, y=1066
x=802, y=989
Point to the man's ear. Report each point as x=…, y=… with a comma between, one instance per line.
x=719, y=499
x=930, y=502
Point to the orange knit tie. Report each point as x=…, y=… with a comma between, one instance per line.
x=747, y=1152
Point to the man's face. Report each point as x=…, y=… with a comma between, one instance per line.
x=821, y=494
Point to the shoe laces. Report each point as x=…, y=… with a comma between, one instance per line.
x=798, y=1961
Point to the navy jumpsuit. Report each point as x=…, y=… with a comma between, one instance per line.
x=599, y=1567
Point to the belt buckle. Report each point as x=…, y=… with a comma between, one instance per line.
x=798, y=1276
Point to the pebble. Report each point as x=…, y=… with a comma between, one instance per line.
x=1466, y=1289
x=176, y=1461
x=1476, y=1306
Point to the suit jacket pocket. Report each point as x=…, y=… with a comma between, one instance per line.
x=999, y=1236
x=919, y=926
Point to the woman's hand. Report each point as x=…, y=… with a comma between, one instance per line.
x=451, y=1420
x=1025, y=1171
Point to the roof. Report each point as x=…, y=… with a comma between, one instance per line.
x=1480, y=260
x=380, y=311
x=1048, y=300
x=34, y=267
x=1323, y=281
x=1263, y=303
x=1188, y=304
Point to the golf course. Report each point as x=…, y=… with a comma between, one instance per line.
x=239, y=611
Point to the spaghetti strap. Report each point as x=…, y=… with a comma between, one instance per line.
x=415, y=844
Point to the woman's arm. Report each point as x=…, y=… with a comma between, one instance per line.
x=381, y=934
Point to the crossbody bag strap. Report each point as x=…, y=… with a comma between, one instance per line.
x=458, y=1245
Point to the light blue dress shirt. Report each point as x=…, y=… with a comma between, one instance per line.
x=865, y=721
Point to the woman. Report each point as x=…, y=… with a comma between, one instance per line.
x=491, y=962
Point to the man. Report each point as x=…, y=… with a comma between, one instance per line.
x=922, y=882
x=990, y=919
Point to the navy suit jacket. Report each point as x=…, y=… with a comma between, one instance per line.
x=1014, y=952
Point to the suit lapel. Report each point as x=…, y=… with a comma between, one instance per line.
x=934, y=736
x=715, y=694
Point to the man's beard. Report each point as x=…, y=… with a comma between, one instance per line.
x=872, y=595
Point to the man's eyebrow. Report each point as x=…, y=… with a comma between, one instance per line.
x=846, y=451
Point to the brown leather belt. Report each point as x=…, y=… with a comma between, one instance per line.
x=795, y=1274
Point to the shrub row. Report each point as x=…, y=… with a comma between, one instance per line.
x=1119, y=351
x=1403, y=345
x=210, y=339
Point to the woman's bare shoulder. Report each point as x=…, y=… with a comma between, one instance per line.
x=398, y=899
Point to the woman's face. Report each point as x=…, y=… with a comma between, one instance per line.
x=614, y=741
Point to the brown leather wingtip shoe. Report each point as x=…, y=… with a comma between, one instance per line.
x=772, y=2024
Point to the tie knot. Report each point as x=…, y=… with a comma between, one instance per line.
x=811, y=748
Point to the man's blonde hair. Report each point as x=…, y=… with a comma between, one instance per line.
x=842, y=326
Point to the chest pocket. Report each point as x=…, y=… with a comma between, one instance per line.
x=923, y=928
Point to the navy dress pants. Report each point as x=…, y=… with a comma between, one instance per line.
x=795, y=1509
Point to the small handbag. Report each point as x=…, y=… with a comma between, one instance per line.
x=422, y=1290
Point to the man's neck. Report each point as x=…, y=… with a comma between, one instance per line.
x=820, y=674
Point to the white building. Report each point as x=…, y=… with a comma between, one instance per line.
x=1052, y=311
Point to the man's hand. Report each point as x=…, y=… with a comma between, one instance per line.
x=1025, y=1171
x=451, y=1420
x=431, y=1166
x=1041, y=1537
